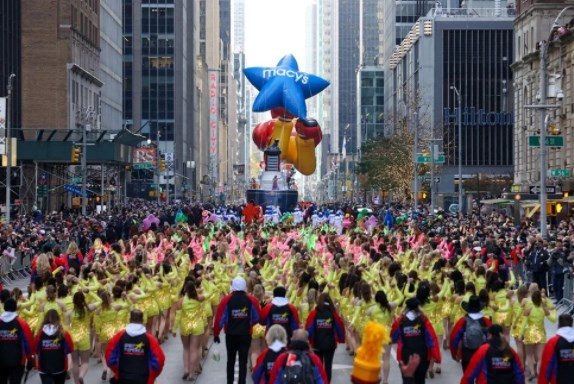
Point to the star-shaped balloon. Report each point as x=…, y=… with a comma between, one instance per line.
x=284, y=87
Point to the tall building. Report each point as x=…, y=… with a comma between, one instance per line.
x=533, y=24
x=348, y=65
x=158, y=68
x=370, y=76
x=471, y=51
x=398, y=19
x=10, y=48
x=238, y=36
x=64, y=38
x=111, y=64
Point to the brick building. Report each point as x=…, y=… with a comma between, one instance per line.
x=60, y=62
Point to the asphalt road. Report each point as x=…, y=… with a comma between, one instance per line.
x=214, y=372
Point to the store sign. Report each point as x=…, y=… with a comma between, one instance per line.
x=145, y=156
x=213, y=83
x=473, y=116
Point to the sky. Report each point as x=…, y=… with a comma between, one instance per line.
x=274, y=28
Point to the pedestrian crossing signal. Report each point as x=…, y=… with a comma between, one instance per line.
x=76, y=155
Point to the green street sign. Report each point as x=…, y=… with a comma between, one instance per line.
x=153, y=185
x=550, y=141
x=143, y=166
x=560, y=173
x=427, y=159
x=76, y=180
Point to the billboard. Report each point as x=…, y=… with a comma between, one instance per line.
x=213, y=83
x=145, y=155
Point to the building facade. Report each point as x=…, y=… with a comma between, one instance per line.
x=472, y=52
x=64, y=36
x=10, y=55
x=111, y=64
x=158, y=67
x=533, y=24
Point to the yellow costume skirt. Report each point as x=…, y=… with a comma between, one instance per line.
x=258, y=331
x=534, y=335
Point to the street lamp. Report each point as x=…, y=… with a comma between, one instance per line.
x=8, y=146
x=459, y=117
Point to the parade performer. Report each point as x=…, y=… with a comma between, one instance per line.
x=413, y=333
x=494, y=362
x=276, y=339
x=16, y=345
x=469, y=333
x=134, y=355
x=237, y=313
x=298, y=364
x=280, y=311
x=557, y=364
x=53, y=345
x=326, y=330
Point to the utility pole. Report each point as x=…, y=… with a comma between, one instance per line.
x=84, y=164
x=542, y=101
x=432, y=194
x=459, y=118
x=158, y=163
x=8, y=147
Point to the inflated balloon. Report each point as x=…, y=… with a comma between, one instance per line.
x=283, y=90
x=284, y=87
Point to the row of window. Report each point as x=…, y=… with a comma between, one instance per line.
x=81, y=23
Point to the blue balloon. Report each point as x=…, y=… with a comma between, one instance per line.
x=284, y=87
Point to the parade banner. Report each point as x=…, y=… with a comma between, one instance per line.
x=2, y=125
x=213, y=83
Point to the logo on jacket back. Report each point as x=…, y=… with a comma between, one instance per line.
x=280, y=318
x=325, y=323
x=242, y=313
x=132, y=349
x=566, y=355
x=501, y=362
x=412, y=331
x=51, y=344
x=9, y=335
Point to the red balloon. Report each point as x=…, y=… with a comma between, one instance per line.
x=281, y=113
x=262, y=134
x=309, y=129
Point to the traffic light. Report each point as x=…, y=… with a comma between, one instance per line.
x=76, y=155
x=162, y=165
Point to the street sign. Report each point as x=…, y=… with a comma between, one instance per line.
x=428, y=179
x=143, y=166
x=153, y=185
x=73, y=189
x=560, y=173
x=76, y=180
x=535, y=189
x=427, y=159
x=551, y=141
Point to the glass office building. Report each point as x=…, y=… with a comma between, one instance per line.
x=471, y=51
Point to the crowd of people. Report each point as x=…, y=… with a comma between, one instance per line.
x=285, y=291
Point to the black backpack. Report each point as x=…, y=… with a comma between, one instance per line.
x=298, y=368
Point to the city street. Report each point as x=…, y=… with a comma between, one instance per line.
x=215, y=371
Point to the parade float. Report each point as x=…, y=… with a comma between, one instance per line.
x=289, y=138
